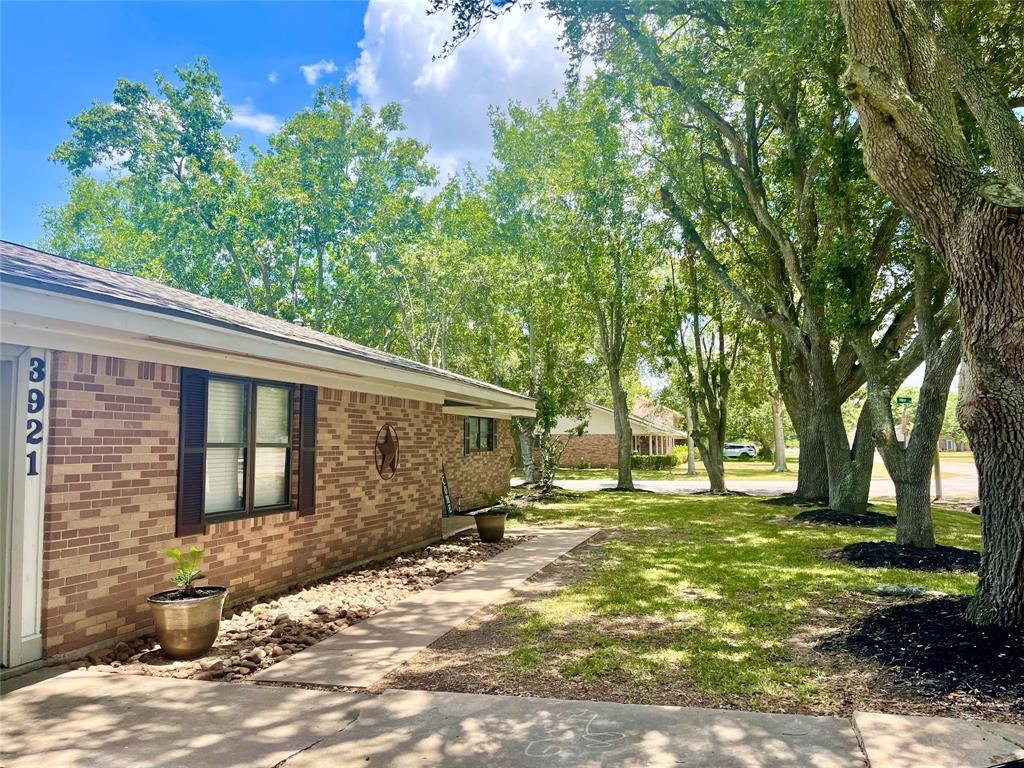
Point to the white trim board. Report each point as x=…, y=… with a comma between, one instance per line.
x=37, y=312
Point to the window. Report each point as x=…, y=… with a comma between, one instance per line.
x=478, y=434
x=234, y=449
x=248, y=444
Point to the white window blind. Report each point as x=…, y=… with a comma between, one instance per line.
x=270, y=481
x=225, y=479
x=230, y=447
x=272, y=415
x=270, y=471
x=225, y=438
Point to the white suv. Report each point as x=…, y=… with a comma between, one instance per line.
x=736, y=450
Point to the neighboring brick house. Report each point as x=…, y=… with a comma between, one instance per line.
x=656, y=413
x=597, y=446
x=138, y=417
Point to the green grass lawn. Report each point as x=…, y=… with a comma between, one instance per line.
x=706, y=596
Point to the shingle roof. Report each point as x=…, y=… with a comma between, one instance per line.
x=665, y=429
x=29, y=267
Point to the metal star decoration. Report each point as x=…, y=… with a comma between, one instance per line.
x=387, y=452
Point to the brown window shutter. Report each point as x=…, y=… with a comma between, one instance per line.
x=191, y=452
x=491, y=437
x=307, y=450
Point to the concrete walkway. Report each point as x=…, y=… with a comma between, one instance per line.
x=95, y=719
x=905, y=741
x=366, y=652
x=414, y=728
x=102, y=720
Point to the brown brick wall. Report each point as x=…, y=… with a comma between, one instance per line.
x=598, y=450
x=112, y=487
x=474, y=479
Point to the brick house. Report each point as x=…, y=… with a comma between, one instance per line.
x=597, y=446
x=138, y=417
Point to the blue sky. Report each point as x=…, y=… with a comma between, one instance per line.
x=57, y=57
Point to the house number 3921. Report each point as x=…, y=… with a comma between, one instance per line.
x=36, y=401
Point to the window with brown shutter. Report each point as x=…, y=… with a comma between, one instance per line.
x=307, y=450
x=235, y=452
x=191, y=453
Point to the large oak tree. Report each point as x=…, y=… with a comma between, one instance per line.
x=941, y=138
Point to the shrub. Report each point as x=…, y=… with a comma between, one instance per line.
x=186, y=568
x=583, y=464
x=657, y=461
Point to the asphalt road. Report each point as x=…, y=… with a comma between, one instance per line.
x=959, y=484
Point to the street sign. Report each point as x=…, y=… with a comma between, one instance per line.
x=904, y=400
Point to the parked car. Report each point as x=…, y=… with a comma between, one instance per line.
x=738, y=450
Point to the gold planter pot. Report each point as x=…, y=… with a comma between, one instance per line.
x=490, y=526
x=187, y=627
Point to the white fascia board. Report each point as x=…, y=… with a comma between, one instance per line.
x=496, y=413
x=29, y=314
x=217, y=362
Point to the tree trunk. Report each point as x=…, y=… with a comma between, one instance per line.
x=903, y=78
x=525, y=440
x=994, y=422
x=780, y=435
x=714, y=464
x=623, y=432
x=914, y=511
x=318, y=314
x=812, y=470
x=909, y=461
x=691, y=460
x=849, y=468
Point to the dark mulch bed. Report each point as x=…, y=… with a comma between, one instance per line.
x=832, y=517
x=888, y=554
x=791, y=500
x=930, y=645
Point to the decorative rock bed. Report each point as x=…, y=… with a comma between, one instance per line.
x=258, y=634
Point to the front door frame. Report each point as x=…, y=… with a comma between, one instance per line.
x=28, y=433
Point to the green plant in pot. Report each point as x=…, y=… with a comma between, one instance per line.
x=187, y=618
x=490, y=522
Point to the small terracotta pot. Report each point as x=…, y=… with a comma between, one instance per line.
x=490, y=525
x=187, y=627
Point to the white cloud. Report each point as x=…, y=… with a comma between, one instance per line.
x=272, y=77
x=245, y=116
x=445, y=101
x=313, y=72
x=109, y=165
